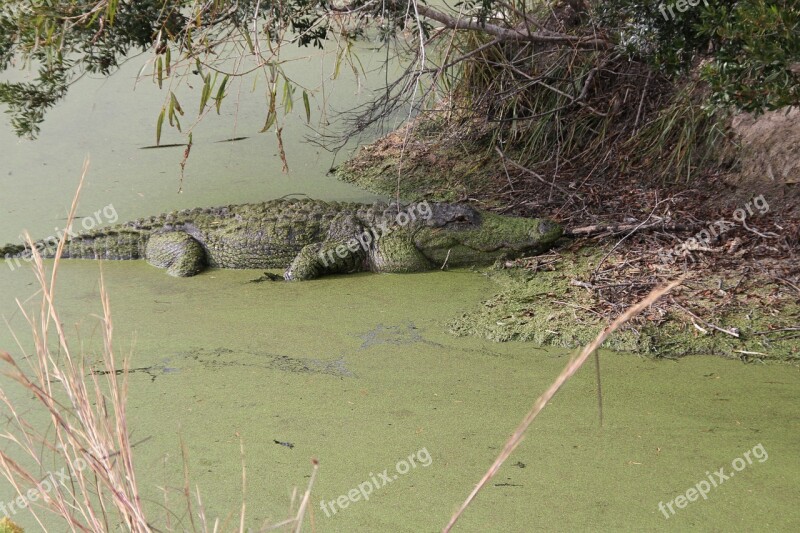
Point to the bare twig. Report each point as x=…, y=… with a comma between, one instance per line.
x=532, y=173
x=572, y=367
x=730, y=332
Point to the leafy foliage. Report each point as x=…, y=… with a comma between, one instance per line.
x=756, y=63
x=749, y=49
x=66, y=38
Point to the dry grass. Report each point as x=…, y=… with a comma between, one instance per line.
x=572, y=367
x=79, y=463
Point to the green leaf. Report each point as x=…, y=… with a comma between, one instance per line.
x=307, y=105
x=168, y=61
x=111, y=10
x=221, y=92
x=159, y=124
x=171, y=112
x=287, y=101
x=175, y=103
x=249, y=42
x=271, y=116
x=160, y=67
x=206, y=92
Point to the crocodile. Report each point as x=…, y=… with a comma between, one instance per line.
x=310, y=238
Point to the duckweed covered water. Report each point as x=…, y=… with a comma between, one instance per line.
x=358, y=372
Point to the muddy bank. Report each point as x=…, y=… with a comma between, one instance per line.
x=733, y=233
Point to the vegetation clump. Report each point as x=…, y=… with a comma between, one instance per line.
x=7, y=526
x=559, y=300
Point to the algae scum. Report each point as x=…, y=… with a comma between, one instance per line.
x=359, y=372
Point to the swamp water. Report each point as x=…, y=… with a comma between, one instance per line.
x=359, y=372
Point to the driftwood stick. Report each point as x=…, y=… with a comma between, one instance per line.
x=602, y=229
x=730, y=332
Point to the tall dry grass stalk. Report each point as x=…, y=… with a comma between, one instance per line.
x=87, y=429
x=86, y=438
x=572, y=367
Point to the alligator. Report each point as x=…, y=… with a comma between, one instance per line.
x=310, y=238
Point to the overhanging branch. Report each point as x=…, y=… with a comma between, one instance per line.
x=508, y=34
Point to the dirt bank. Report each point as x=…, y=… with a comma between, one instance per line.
x=733, y=232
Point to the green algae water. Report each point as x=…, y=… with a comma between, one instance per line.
x=359, y=372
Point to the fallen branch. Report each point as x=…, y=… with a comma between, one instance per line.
x=732, y=332
x=536, y=175
x=611, y=229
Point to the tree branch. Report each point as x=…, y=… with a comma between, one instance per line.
x=507, y=34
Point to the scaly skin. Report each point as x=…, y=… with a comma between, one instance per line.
x=307, y=237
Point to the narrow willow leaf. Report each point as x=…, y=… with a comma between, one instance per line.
x=307, y=105
x=141, y=71
x=176, y=103
x=93, y=19
x=338, y=64
x=160, y=67
x=111, y=10
x=249, y=42
x=159, y=124
x=168, y=60
x=206, y=93
x=288, y=103
x=271, y=116
x=171, y=112
x=221, y=92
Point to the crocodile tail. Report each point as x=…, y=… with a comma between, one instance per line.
x=11, y=250
x=114, y=244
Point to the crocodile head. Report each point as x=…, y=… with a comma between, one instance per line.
x=465, y=236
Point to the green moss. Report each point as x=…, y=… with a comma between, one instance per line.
x=544, y=308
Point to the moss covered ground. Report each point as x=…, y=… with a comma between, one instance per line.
x=547, y=307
